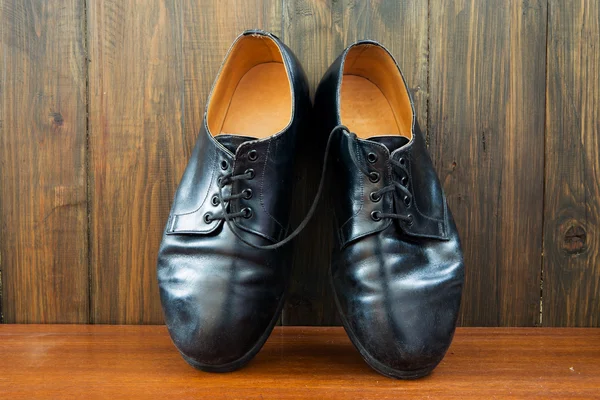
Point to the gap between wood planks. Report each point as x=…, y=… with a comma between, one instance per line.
x=541, y=315
x=88, y=191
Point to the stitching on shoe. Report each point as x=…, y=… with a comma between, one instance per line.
x=262, y=183
x=212, y=180
x=362, y=193
x=412, y=186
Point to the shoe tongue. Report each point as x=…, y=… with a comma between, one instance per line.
x=391, y=142
x=232, y=142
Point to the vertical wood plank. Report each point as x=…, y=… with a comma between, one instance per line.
x=312, y=29
x=318, y=32
x=136, y=146
x=155, y=65
x=209, y=28
x=486, y=110
x=401, y=26
x=43, y=206
x=572, y=210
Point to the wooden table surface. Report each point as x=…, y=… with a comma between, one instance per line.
x=102, y=361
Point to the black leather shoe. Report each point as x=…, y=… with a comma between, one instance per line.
x=223, y=264
x=398, y=270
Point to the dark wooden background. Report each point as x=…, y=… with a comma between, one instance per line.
x=101, y=101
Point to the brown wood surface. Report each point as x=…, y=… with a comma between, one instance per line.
x=43, y=205
x=311, y=29
x=101, y=102
x=136, y=150
x=209, y=28
x=296, y=363
x=318, y=32
x=572, y=208
x=486, y=136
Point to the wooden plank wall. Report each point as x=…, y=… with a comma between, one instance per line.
x=43, y=200
x=101, y=102
x=572, y=195
x=486, y=137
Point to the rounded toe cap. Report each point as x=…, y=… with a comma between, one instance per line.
x=400, y=349
x=219, y=342
x=401, y=333
x=405, y=359
x=218, y=315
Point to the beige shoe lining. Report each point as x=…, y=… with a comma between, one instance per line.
x=252, y=95
x=374, y=100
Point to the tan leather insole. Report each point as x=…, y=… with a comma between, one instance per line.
x=261, y=104
x=364, y=108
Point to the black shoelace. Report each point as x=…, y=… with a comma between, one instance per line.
x=221, y=199
x=247, y=193
x=375, y=196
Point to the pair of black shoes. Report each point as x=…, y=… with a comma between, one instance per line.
x=224, y=265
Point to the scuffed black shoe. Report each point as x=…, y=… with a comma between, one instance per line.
x=398, y=268
x=223, y=265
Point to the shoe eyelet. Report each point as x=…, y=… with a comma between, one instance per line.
x=410, y=221
x=208, y=218
x=250, y=172
x=374, y=177
x=247, y=212
x=376, y=216
x=252, y=155
x=404, y=181
x=372, y=157
x=402, y=161
x=220, y=181
x=224, y=164
x=406, y=201
x=247, y=193
x=374, y=198
x=215, y=200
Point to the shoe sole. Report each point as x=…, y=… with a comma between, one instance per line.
x=369, y=359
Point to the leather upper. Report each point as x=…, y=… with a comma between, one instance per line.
x=397, y=282
x=220, y=296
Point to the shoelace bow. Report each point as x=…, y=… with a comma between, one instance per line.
x=375, y=196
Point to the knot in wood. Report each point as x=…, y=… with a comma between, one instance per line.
x=574, y=240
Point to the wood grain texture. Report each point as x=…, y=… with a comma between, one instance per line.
x=486, y=135
x=572, y=210
x=477, y=71
x=209, y=28
x=401, y=26
x=318, y=31
x=312, y=29
x=43, y=206
x=296, y=363
x=136, y=150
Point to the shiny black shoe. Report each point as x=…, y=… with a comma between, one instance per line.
x=397, y=271
x=223, y=265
